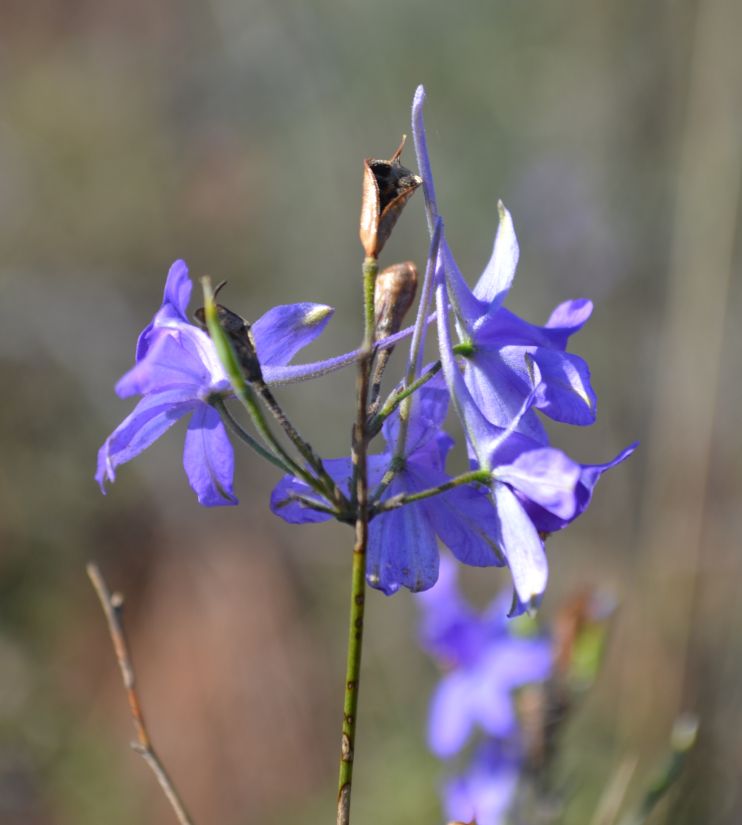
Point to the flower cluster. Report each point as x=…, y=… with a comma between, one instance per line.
x=486, y=664
x=501, y=373
x=499, y=376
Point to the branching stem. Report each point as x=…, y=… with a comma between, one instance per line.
x=481, y=476
x=113, y=605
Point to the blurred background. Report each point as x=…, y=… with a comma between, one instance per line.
x=232, y=134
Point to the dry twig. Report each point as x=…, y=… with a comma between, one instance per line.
x=112, y=604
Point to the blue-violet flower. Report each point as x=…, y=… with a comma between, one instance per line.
x=178, y=373
x=402, y=548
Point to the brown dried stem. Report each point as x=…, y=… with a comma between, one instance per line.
x=113, y=605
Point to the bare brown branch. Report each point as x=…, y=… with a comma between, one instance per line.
x=112, y=604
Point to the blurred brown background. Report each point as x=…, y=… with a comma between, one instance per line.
x=231, y=134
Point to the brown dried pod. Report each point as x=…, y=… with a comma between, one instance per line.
x=387, y=186
x=394, y=294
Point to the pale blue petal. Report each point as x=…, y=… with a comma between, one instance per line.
x=589, y=476
x=567, y=319
x=172, y=361
x=283, y=501
x=178, y=288
x=427, y=413
x=402, y=548
x=464, y=520
x=208, y=458
x=498, y=390
x=467, y=307
x=522, y=546
x=566, y=393
x=495, y=281
x=450, y=721
x=491, y=703
x=285, y=329
x=486, y=792
x=152, y=416
x=451, y=631
x=514, y=662
x=423, y=158
x=479, y=431
x=545, y=476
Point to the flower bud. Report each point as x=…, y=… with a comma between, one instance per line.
x=387, y=186
x=395, y=292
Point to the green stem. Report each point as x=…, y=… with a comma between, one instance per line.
x=370, y=270
x=243, y=435
x=243, y=391
x=396, y=398
x=358, y=572
x=352, y=671
x=302, y=445
x=482, y=476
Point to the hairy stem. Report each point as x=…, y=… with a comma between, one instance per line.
x=245, y=436
x=302, y=445
x=481, y=476
x=358, y=573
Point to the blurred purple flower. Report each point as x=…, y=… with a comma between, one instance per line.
x=487, y=663
x=178, y=372
x=497, y=341
x=402, y=548
x=485, y=793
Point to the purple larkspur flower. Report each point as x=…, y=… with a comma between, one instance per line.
x=522, y=471
x=485, y=792
x=178, y=372
x=402, y=546
x=535, y=489
x=486, y=663
x=497, y=340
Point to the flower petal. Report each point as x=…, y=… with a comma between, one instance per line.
x=485, y=793
x=495, y=281
x=152, y=416
x=427, y=413
x=523, y=548
x=565, y=393
x=479, y=432
x=168, y=363
x=514, y=662
x=208, y=458
x=451, y=631
x=450, y=721
x=498, y=389
x=402, y=548
x=178, y=288
x=467, y=307
x=423, y=158
x=283, y=501
x=590, y=474
x=545, y=476
x=568, y=318
x=463, y=518
x=285, y=329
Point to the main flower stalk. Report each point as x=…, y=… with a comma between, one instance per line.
x=358, y=573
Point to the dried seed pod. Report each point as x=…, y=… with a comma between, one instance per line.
x=387, y=186
x=240, y=336
x=395, y=292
